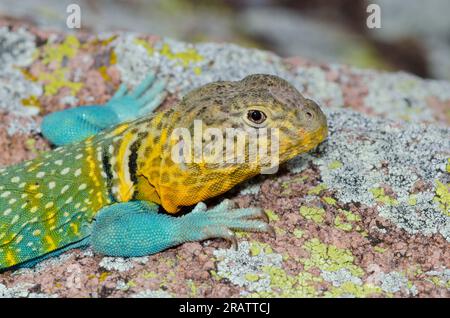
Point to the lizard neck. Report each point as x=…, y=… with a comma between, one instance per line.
x=134, y=149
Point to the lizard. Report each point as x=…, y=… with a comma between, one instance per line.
x=112, y=184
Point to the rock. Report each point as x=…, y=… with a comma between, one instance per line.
x=375, y=219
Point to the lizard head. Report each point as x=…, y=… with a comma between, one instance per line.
x=217, y=128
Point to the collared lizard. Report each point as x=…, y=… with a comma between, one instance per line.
x=114, y=168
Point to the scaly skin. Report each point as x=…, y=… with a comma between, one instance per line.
x=104, y=191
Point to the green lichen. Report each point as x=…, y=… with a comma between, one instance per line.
x=149, y=275
x=252, y=277
x=272, y=215
x=257, y=247
x=335, y=164
x=193, y=288
x=412, y=200
x=312, y=213
x=443, y=197
x=380, y=196
x=330, y=200
x=379, y=249
x=317, y=189
x=340, y=224
x=329, y=258
x=299, y=233
x=447, y=168
x=355, y=290
x=284, y=285
x=351, y=217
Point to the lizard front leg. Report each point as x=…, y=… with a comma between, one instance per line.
x=77, y=124
x=136, y=229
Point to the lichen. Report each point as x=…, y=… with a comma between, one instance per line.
x=329, y=258
x=443, y=197
x=312, y=213
x=380, y=196
x=56, y=53
x=378, y=154
x=247, y=262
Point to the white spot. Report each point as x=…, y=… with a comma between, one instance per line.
x=15, y=179
x=40, y=174
x=12, y=201
x=51, y=185
x=49, y=205
x=65, y=171
x=64, y=189
x=24, y=205
x=79, y=156
x=29, y=244
x=82, y=186
x=69, y=200
x=33, y=209
x=77, y=172
x=36, y=232
x=23, y=195
x=19, y=239
x=111, y=149
x=59, y=162
x=77, y=206
x=22, y=185
x=15, y=219
x=7, y=212
x=5, y=194
x=39, y=195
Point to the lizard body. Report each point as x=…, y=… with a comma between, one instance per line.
x=103, y=185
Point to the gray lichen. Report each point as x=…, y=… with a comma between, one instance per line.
x=377, y=154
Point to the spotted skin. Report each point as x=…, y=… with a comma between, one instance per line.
x=105, y=190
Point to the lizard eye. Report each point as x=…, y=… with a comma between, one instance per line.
x=256, y=116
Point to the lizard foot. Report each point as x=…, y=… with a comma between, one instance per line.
x=222, y=220
x=142, y=100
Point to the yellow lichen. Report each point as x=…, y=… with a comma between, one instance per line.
x=340, y=224
x=56, y=53
x=103, y=276
x=298, y=233
x=185, y=58
x=329, y=258
x=312, y=213
x=317, y=189
x=335, y=165
x=251, y=277
x=443, y=197
x=379, y=249
x=272, y=215
x=330, y=200
x=380, y=196
x=412, y=200
x=146, y=45
x=56, y=80
x=355, y=290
